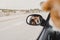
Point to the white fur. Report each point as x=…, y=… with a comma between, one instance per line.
x=53, y=25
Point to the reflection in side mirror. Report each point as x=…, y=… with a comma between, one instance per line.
x=34, y=19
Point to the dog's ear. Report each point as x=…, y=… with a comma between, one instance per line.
x=46, y=6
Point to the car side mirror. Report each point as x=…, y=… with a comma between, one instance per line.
x=35, y=19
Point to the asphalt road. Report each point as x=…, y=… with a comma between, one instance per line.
x=14, y=27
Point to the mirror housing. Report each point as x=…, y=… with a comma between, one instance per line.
x=35, y=19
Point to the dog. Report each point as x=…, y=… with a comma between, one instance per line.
x=53, y=6
x=34, y=20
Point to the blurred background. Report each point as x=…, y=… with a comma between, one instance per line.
x=20, y=4
x=13, y=15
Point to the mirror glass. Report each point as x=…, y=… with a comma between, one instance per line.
x=33, y=19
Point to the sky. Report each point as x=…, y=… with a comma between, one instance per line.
x=20, y=4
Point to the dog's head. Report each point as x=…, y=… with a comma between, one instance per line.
x=54, y=7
